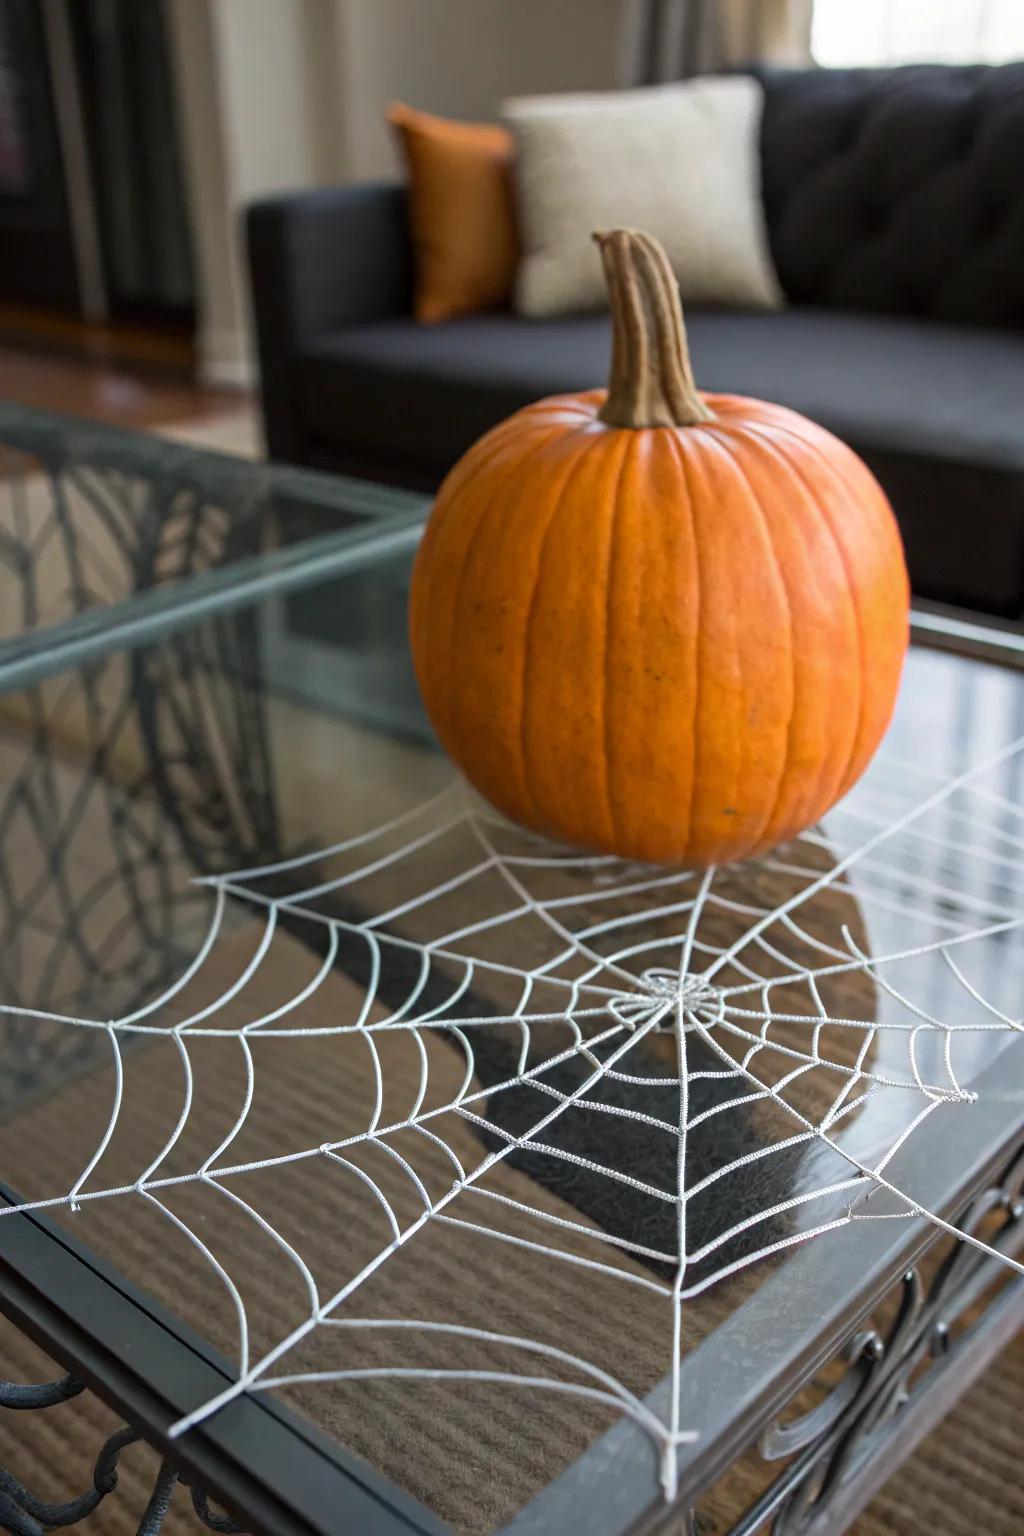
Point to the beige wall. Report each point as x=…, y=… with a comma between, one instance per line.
x=461, y=58
x=279, y=94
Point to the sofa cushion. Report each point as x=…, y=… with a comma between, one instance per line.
x=934, y=409
x=898, y=190
x=952, y=392
x=426, y=393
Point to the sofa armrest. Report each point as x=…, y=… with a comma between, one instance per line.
x=319, y=259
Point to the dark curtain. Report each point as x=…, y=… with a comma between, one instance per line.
x=125, y=75
x=37, y=253
x=16, y=169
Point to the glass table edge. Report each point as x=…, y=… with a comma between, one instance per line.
x=156, y=612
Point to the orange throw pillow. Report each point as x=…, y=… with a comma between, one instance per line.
x=461, y=213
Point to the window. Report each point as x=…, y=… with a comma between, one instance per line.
x=851, y=32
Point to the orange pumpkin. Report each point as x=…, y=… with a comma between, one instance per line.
x=660, y=624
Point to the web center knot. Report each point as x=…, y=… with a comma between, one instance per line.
x=664, y=993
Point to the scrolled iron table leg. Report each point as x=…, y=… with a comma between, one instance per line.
x=24, y=1513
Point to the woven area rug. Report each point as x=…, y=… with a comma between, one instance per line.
x=235, y=430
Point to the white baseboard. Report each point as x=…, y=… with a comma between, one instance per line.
x=226, y=361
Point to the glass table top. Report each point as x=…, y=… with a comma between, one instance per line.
x=375, y=1091
x=90, y=515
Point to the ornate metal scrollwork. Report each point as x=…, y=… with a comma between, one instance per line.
x=24, y=1513
x=826, y=1446
x=870, y=1395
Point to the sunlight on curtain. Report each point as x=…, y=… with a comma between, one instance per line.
x=911, y=31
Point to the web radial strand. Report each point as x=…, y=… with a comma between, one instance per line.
x=557, y=1012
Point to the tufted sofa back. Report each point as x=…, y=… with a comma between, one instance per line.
x=898, y=190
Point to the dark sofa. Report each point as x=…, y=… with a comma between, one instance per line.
x=895, y=209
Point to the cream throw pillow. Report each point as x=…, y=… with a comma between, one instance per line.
x=679, y=161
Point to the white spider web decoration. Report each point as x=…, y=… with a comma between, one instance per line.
x=701, y=998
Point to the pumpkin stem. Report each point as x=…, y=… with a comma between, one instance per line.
x=651, y=381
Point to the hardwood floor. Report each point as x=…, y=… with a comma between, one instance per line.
x=157, y=341
x=112, y=393
x=127, y=375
